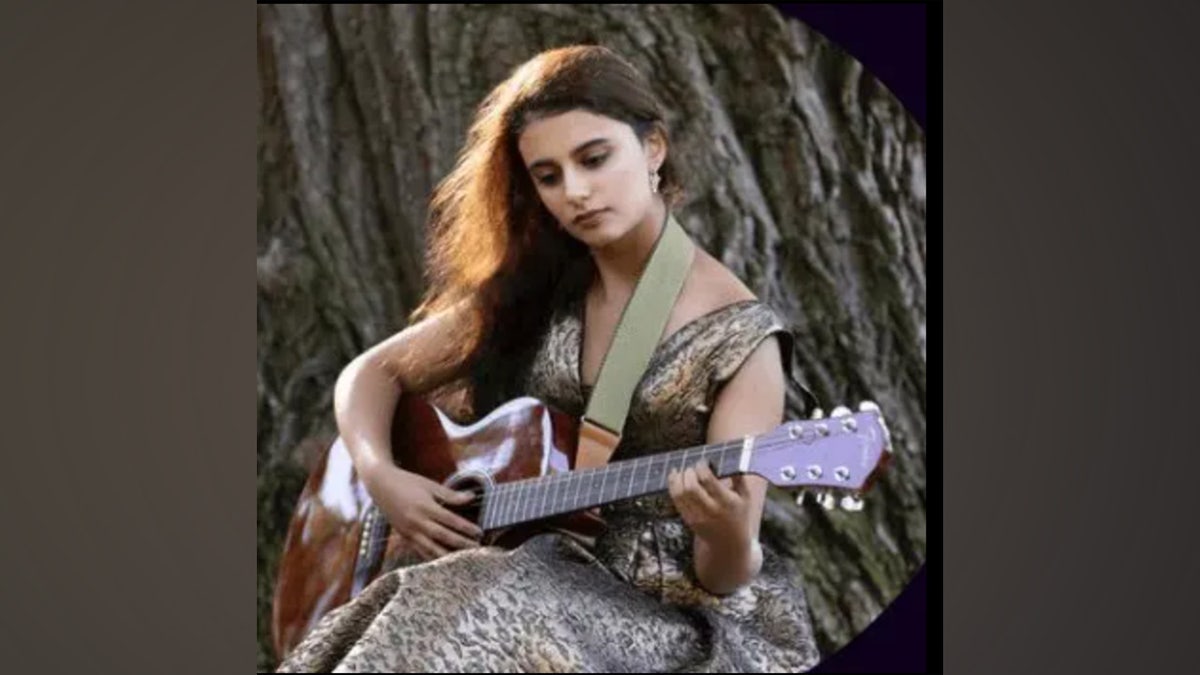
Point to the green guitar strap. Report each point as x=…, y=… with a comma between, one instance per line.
x=641, y=326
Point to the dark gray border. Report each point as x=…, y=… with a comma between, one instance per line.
x=126, y=187
x=127, y=200
x=1071, y=235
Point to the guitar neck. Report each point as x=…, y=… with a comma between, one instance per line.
x=533, y=499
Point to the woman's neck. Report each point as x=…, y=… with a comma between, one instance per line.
x=619, y=264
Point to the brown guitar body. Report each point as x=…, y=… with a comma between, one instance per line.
x=525, y=438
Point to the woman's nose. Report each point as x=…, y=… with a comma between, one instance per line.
x=575, y=185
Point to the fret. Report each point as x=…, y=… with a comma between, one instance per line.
x=540, y=500
x=552, y=486
x=514, y=503
x=484, y=510
x=497, y=506
x=523, y=498
x=510, y=504
x=643, y=477
x=569, y=492
x=564, y=494
x=632, y=474
x=513, y=495
x=518, y=506
x=497, y=502
x=494, y=496
x=550, y=489
x=500, y=504
x=503, y=504
x=558, y=503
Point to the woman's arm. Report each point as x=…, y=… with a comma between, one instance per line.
x=418, y=359
x=725, y=515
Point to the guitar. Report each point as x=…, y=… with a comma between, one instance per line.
x=518, y=461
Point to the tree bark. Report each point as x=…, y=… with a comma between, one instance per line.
x=804, y=175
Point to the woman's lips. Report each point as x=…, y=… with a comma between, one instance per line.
x=591, y=218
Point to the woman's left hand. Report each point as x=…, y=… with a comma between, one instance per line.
x=715, y=511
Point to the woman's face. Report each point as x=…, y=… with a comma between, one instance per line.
x=581, y=163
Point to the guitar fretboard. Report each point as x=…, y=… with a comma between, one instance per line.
x=537, y=498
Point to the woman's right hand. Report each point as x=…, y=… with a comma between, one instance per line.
x=413, y=505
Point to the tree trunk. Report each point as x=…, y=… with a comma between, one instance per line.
x=804, y=175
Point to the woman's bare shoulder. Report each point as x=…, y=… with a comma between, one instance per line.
x=715, y=285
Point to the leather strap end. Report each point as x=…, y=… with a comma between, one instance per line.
x=596, y=445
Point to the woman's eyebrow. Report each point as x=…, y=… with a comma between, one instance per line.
x=576, y=151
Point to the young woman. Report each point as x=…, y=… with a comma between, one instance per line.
x=537, y=240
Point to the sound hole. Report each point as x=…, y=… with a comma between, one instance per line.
x=468, y=482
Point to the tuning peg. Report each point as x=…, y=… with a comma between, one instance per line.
x=871, y=406
x=852, y=502
x=827, y=501
x=840, y=411
x=818, y=414
x=800, y=497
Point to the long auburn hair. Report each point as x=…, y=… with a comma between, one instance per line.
x=491, y=241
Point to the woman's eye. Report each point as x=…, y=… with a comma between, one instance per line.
x=550, y=179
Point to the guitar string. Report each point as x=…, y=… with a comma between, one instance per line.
x=544, y=484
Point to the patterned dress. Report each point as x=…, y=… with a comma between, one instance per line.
x=628, y=603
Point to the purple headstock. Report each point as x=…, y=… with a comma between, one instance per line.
x=843, y=452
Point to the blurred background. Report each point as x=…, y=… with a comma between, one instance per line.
x=803, y=174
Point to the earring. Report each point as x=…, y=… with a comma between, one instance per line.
x=654, y=178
